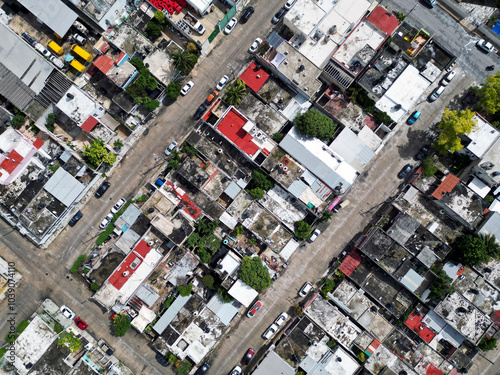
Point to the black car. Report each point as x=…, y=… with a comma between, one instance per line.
x=202, y=108
x=246, y=14
x=422, y=153
x=277, y=17
x=102, y=189
x=162, y=360
x=203, y=369
x=75, y=219
x=405, y=171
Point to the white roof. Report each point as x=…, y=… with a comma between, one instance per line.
x=53, y=13
x=482, y=137
x=22, y=60
x=243, y=293
x=495, y=205
x=289, y=248
x=479, y=187
x=399, y=93
x=230, y=263
x=352, y=149
x=304, y=16
x=79, y=107
x=141, y=321
x=200, y=5
x=273, y=364
x=228, y=220
x=224, y=311
x=64, y=187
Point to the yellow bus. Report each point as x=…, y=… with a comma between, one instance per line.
x=55, y=47
x=81, y=52
x=78, y=66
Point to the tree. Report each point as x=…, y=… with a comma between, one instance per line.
x=160, y=17
x=185, y=290
x=121, y=324
x=173, y=90
x=302, y=230
x=487, y=344
x=256, y=193
x=314, y=124
x=382, y=117
x=208, y=281
x=173, y=164
x=441, y=286
x=472, y=249
x=50, y=121
x=490, y=94
x=429, y=167
x=453, y=124
x=118, y=144
x=491, y=246
x=206, y=227
x=193, y=48
x=277, y=137
x=70, y=340
x=190, y=150
x=327, y=215
x=254, y=273
x=235, y=93
x=94, y=286
x=147, y=103
x=96, y=153
x=18, y=120
x=154, y=29
x=184, y=61
x=261, y=180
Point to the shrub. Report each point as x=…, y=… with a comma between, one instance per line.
x=429, y=167
x=2, y=352
x=382, y=118
x=331, y=343
x=261, y=180
x=118, y=144
x=224, y=295
x=94, y=286
x=58, y=328
x=78, y=263
x=184, y=368
x=298, y=311
x=257, y=193
x=69, y=340
x=487, y=344
x=121, y=324
x=208, y=281
x=173, y=90
x=154, y=29
x=302, y=230
x=185, y=290
x=489, y=198
x=168, y=302
x=193, y=48
x=18, y=120
x=277, y=137
x=171, y=358
x=189, y=150
x=11, y=337
x=22, y=326
x=361, y=357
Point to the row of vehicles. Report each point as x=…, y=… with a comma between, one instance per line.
x=69, y=314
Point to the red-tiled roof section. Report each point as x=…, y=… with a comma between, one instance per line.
x=185, y=204
x=414, y=322
x=446, y=186
x=254, y=79
x=350, y=263
x=433, y=370
x=495, y=318
x=232, y=127
x=38, y=143
x=125, y=271
x=89, y=124
x=384, y=20
x=12, y=161
x=103, y=63
x=142, y=249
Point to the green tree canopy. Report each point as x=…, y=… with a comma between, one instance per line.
x=490, y=94
x=256, y=193
x=235, y=93
x=147, y=103
x=154, y=29
x=452, y=125
x=121, y=324
x=173, y=90
x=487, y=344
x=261, y=180
x=160, y=17
x=205, y=227
x=429, y=167
x=477, y=249
x=70, y=340
x=441, y=286
x=208, y=281
x=302, y=230
x=17, y=120
x=184, y=61
x=97, y=153
x=185, y=290
x=254, y=273
x=314, y=124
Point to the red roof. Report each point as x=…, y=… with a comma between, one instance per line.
x=384, y=20
x=118, y=279
x=414, y=322
x=254, y=79
x=495, y=318
x=142, y=249
x=232, y=127
x=185, y=204
x=89, y=124
x=433, y=370
x=103, y=63
x=38, y=143
x=446, y=186
x=11, y=162
x=350, y=263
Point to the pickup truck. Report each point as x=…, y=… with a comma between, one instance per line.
x=193, y=22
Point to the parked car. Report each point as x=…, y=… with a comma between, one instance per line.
x=247, y=13
x=230, y=26
x=447, y=78
x=436, y=93
x=75, y=219
x=162, y=360
x=67, y=312
x=77, y=38
x=105, y=222
x=29, y=38
x=211, y=97
x=314, y=235
x=306, y=288
x=199, y=112
x=289, y=4
x=56, y=61
x=414, y=117
x=102, y=189
x=203, y=369
x=484, y=46
x=236, y=371
x=270, y=332
x=422, y=153
x=118, y=205
x=251, y=313
x=188, y=86
x=247, y=357
x=405, y=171
x=42, y=50
x=171, y=148
x=81, y=324
x=222, y=83
x=281, y=319
x=278, y=16
x=255, y=45
x=430, y=3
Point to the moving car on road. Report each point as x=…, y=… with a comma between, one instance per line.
x=230, y=26
x=405, y=171
x=67, y=312
x=414, y=117
x=247, y=357
x=251, y=313
x=102, y=189
x=118, y=205
x=255, y=45
x=188, y=86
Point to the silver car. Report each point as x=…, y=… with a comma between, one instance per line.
x=171, y=148
x=105, y=222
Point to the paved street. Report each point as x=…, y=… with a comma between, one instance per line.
x=449, y=34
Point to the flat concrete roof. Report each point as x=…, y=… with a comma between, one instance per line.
x=53, y=13
x=78, y=106
x=482, y=137
x=243, y=293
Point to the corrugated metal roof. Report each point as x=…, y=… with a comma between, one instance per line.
x=492, y=226
x=412, y=280
x=297, y=188
x=53, y=13
x=224, y=311
x=64, y=187
x=352, y=149
x=308, y=177
x=232, y=190
x=170, y=314
x=147, y=295
x=14, y=90
x=131, y=214
x=273, y=364
x=274, y=39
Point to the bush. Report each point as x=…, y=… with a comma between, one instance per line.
x=50, y=121
x=2, y=352
x=154, y=29
x=58, y=328
x=78, y=263
x=193, y=48
x=184, y=368
x=487, y=344
x=277, y=137
x=121, y=324
x=11, y=337
x=382, y=118
x=224, y=295
x=168, y=302
x=160, y=17
x=22, y=326
x=429, y=167
x=185, y=290
x=173, y=90
x=331, y=343
x=489, y=198
x=118, y=144
x=94, y=286
x=297, y=309
x=361, y=357
x=302, y=230
x=69, y=340
x=102, y=237
x=18, y=120
x=257, y=193
x=171, y=358
x=208, y=281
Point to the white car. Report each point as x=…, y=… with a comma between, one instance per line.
x=270, y=331
x=289, y=4
x=105, y=222
x=447, y=78
x=188, y=86
x=171, y=148
x=484, y=45
x=222, y=83
x=118, y=205
x=42, y=50
x=56, y=61
x=230, y=26
x=255, y=45
x=314, y=235
x=236, y=371
x=281, y=319
x=67, y=312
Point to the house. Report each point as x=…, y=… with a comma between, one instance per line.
x=273, y=364
x=480, y=140
x=491, y=226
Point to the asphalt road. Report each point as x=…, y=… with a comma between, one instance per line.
x=450, y=34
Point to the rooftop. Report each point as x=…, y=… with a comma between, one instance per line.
x=284, y=206
x=482, y=137
x=336, y=362
x=446, y=186
x=253, y=77
x=383, y=358
x=53, y=13
x=266, y=116
x=243, y=293
x=383, y=19
x=481, y=294
x=352, y=260
x=491, y=226
x=78, y=106
x=64, y=187
x=490, y=162
x=273, y=364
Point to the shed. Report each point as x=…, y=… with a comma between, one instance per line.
x=170, y=314
x=232, y=190
x=224, y=311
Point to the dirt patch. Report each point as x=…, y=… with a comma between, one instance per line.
x=108, y=265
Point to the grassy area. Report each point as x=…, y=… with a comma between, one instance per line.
x=22, y=326
x=2, y=352
x=109, y=229
x=78, y=263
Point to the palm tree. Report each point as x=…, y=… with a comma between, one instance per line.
x=491, y=245
x=184, y=61
x=235, y=93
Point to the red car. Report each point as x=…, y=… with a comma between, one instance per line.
x=81, y=324
x=254, y=309
x=248, y=356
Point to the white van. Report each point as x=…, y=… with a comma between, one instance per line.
x=306, y=288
